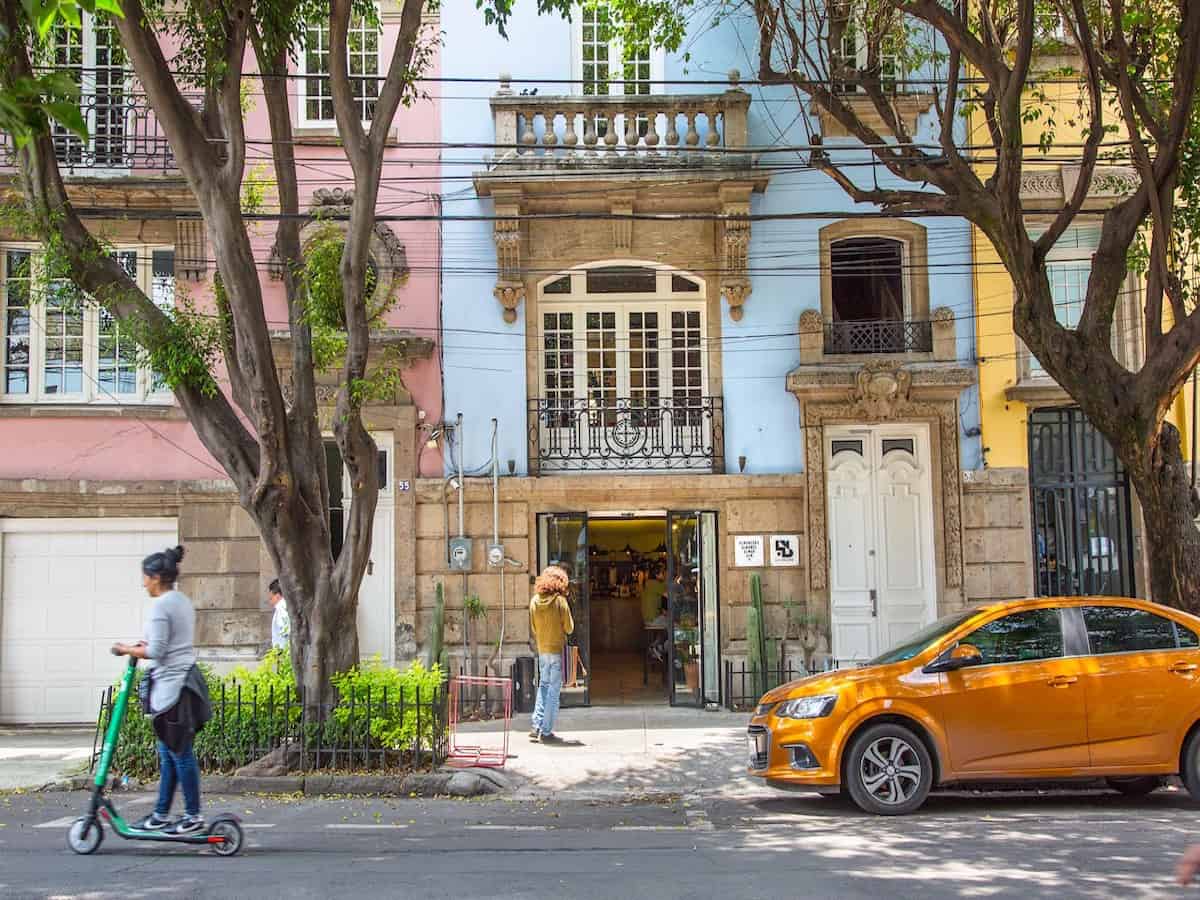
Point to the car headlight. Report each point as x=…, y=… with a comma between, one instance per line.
x=806, y=707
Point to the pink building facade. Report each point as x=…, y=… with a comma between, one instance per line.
x=98, y=466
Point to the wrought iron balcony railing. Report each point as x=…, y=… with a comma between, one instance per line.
x=878, y=336
x=123, y=136
x=664, y=434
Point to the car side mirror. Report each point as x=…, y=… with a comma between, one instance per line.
x=960, y=656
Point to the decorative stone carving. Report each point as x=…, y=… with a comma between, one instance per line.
x=510, y=295
x=622, y=207
x=1041, y=184
x=879, y=388
x=1108, y=182
x=812, y=337
x=191, y=249
x=735, y=292
x=945, y=341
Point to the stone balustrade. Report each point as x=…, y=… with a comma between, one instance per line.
x=684, y=128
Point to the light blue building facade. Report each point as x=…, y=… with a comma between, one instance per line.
x=679, y=324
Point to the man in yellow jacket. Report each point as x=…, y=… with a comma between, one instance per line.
x=549, y=624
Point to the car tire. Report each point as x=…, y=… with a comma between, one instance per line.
x=1189, y=769
x=888, y=770
x=1135, y=787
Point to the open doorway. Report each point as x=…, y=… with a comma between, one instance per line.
x=643, y=593
x=627, y=568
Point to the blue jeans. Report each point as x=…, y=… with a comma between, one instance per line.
x=550, y=679
x=177, y=769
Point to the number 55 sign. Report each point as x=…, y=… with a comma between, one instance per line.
x=785, y=549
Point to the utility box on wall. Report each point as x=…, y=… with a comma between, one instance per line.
x=460, y=554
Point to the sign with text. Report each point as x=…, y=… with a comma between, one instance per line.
x=785, y=549
x=748, y=550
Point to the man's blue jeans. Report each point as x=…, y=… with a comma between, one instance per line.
x=550, y=677
x=177, y=769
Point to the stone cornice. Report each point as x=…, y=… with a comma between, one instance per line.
x=1040, y=391
x=927, y=379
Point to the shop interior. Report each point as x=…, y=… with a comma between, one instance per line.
x=629, y=620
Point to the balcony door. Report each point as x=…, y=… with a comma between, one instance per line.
x=92, y=56
x=623, y=372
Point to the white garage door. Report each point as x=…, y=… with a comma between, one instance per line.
x=69, y=588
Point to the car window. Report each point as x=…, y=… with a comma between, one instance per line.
x=1126, y=629
x=1019, y=637
x=1187, y=637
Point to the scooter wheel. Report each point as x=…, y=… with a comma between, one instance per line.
x=231, y=834
x=85, y=836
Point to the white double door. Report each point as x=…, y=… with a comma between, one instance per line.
x=880, y=517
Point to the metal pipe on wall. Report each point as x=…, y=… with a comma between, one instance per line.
x=462, y=478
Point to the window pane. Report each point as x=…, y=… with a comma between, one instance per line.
x=621, y=280
x=1187, y=637
x=16, y=322
x=1030, y=635
x=1123, y=629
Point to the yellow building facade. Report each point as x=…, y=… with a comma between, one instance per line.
x=1085, y=526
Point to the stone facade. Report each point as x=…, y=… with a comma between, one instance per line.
x=997, y=538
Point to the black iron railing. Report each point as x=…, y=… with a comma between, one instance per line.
x=374, y=730
x=660, y=434
x=123, y=134
x=745, y=684
x=879, y=336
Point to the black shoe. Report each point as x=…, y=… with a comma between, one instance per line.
x=551, y=738
x=188, y=825
x=535, y=736
x=153, y=822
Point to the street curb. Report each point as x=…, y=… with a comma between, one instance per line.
x=465, y=782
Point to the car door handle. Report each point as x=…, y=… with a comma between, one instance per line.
x=1062, y=680
x=1182, y=668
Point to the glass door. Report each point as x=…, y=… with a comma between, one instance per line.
x=562, y=541
x=693, y=608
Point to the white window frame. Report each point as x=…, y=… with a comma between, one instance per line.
x=302, y=95
x=88, y=87
x=860, y=54
x=663, y=300
x=92, y=393
x=617, y=86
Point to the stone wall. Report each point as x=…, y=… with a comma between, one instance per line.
x=997, y=536
x=745, y=504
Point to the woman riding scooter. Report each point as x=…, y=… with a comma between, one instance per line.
x=168, y=645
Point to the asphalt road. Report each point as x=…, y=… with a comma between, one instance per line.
x=1060, y=845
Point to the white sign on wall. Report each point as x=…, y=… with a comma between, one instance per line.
x=748, y=550
x=785, y=549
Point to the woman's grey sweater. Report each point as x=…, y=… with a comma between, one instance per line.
x=170, y=632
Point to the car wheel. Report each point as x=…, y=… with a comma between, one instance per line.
x=888, y=770
x=1190, y=769
x=1135, y=787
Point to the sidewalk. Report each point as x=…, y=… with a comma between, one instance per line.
x=628, y=751
x=32, y=757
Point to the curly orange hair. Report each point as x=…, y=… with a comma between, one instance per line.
x=553, y=580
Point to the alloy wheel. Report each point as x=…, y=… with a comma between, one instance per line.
x=890, y=770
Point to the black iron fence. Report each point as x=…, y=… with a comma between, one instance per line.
x=879, y=336
x=744, y=685
x=366, y=729
x=622, y=433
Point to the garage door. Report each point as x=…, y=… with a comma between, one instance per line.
x=69, y=588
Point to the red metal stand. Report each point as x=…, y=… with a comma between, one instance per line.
x=463, y=755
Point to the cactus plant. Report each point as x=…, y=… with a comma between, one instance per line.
x=437, y=629
x=756, y=637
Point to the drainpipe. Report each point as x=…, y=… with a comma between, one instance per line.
x=496, y=532
x=462, y=484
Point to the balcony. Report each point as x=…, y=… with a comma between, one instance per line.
x=878, y=336
x=659, y=435
x=642, y=132
x=124, y=137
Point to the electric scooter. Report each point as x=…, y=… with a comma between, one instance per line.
x=224, y=833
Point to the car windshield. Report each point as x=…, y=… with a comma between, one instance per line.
x=919, y=640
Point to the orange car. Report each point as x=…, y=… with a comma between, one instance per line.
x=1046, y=689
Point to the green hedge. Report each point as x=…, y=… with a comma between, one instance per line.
x=257, y=710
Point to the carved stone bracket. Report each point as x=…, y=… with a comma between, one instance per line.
x=622, y=207
x=510, y=294
x=735, y=278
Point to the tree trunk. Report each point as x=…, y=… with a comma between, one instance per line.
x=1163, y=487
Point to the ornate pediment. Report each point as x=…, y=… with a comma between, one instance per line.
x=880, y=388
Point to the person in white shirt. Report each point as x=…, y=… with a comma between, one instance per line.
x=281, y=624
